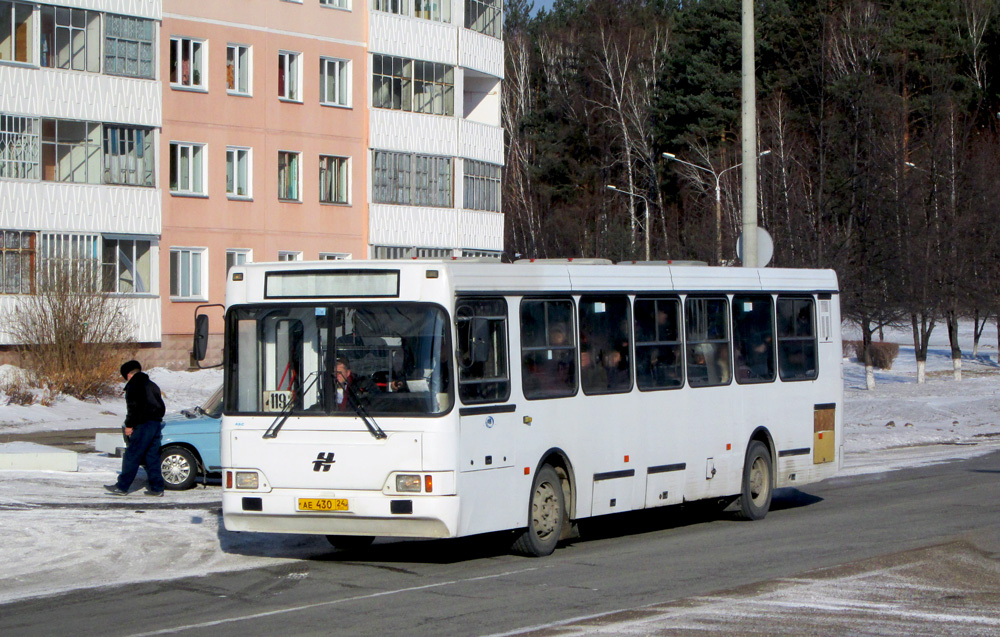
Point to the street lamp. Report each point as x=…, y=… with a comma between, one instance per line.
x=635, y=194
x=718, y=196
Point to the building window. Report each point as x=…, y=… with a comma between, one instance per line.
x=129, y=46
x=128, y=156
x=413, y=85
x=19, y=147
x=334, y=256
x=399, y=7
x=70, y=39
x=289, y=255
x=484, y=16
x=406, y=252
x=187, y=268
x=187, y=63
x=238, y=256
x=238, y=173
x=336, y=4
x=71, y=151
x=333, y=179
x=288, y=176
x=17, y=31
x=17, y=262
x=187, y=168
x=126, y=265
x=481, y=186
x=70, y=258
x=334, y=82
x=289, y=76
x=436, y=10
x=238, y=69
x=411, y=180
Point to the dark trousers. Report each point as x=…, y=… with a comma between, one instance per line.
x=143, y=449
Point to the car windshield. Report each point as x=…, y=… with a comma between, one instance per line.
x=385, y=358
x=213, y=406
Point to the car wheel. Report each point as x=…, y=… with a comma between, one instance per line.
x=179, y=468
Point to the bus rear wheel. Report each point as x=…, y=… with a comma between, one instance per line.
x=546, y=515
x=758, y=482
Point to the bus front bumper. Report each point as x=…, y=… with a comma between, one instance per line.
x=368, y=513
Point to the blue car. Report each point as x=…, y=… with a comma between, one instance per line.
x=190, y=445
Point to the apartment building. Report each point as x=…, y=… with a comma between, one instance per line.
x=80, y=118
x=436, y=137
x=264, y=147
x=164, y=141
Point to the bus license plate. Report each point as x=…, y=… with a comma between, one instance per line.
x=322, y=504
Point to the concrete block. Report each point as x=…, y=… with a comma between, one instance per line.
x=111, y=444
x=31, y=456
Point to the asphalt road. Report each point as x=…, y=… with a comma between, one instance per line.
x=913, y=535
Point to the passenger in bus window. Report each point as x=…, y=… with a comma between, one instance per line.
x=618, y=373
x=593, y=377
x=350, y=388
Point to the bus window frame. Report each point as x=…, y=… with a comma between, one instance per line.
x=774, y=337
x=679, y=344
x=727, y=322
x=815, y=336
x=630, y=337
x=571, y=332
x=506, y=333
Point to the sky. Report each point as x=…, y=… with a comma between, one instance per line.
x=62, y=531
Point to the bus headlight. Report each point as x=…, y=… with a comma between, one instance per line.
x=408, y=483
x=247, y=480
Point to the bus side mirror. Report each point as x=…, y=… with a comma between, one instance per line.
x=200, y=348
x=479, y=340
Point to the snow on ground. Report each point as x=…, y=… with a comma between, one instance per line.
x=62, y=531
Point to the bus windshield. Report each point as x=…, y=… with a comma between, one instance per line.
x=325, y=359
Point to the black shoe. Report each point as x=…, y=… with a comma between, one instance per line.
x=155, y=494
x=114, y=490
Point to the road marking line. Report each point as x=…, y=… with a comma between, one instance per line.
x=294, y=609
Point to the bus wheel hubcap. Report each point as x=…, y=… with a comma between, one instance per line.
x=758, y=480
x=545, y=510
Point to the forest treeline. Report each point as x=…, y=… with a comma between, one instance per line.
x=877, y=123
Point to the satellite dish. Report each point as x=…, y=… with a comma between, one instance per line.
x=765, y=247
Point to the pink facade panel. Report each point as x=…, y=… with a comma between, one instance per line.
x=252, y=135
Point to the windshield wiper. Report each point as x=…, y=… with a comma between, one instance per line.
x=279, y=421
x=355, y=400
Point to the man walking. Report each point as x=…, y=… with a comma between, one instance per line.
x=143, y=426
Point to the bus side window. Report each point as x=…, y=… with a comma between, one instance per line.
x=659, y=355
x=483, y=375
x=707, y=339
x=605, y=361
x=797, y=359
x=753, y=338
x=548, y=348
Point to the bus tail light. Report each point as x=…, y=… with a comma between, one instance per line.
x=428, y=484
x=408, y=483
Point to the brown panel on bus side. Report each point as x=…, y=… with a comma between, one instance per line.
x=823, y=437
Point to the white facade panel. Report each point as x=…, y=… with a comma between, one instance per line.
x=413, y=38
x=483, y=53
x=413, y=226
x=82, y=96
x=152, y=9
x=480, y=141
x=413, y=132
x=143, y=310
x=480, y=230
x=32, y=205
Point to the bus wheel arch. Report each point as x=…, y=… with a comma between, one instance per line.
x=757, y=484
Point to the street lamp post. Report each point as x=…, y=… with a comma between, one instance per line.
x=635, y=194
x=718, y=196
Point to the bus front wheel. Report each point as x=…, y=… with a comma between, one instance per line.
x=758, y=482
x=546, y=515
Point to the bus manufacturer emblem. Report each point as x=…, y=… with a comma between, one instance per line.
x=324, y=461
x=489, y=422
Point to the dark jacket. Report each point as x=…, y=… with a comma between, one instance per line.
x=143, y=401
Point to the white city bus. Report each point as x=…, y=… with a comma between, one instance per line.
x=484, y=396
